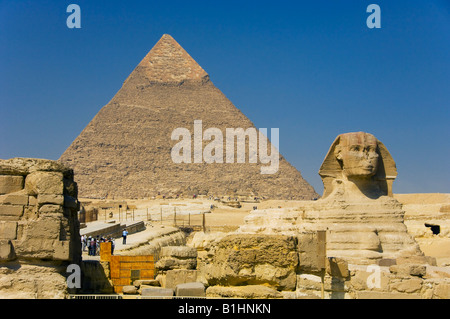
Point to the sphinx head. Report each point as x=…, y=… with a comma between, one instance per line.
x=357, y=154
x=361, y=160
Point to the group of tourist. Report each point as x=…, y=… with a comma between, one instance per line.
x=93, y=244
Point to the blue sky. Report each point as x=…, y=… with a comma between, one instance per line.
x=313, y=69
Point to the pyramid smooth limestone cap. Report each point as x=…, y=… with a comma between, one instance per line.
x=168, y=62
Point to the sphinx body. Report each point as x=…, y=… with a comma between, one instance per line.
x=364, y=222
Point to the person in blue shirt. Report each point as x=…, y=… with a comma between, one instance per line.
x=124, y=236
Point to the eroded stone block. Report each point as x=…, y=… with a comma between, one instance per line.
x=190, y=289
x=8, y=230
x=50, y=199
x=179, y=276
x=44, y=183
x=11, y=212
x=10, y=184
x=6, y=250
x=156, y=292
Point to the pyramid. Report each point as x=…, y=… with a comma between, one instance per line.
x=125, y=151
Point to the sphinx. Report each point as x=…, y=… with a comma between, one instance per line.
x=364, y=222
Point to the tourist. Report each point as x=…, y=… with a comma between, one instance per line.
x=83, y=242
x=88, y=243
x=124, y=236
x=113, y=244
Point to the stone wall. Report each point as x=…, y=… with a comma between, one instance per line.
x=278, y=266
x=38, y=227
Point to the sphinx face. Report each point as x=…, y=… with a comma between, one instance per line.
x=358, y=154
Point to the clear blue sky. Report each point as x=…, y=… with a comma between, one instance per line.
x=313, y=69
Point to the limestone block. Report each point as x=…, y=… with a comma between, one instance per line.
x=308, y=252
x=254, y=259
x=354, y=240
x=386, y=295
x=51, y=209
x=408, y=270
x=245, y=292
x=6, y=250
x=146, y=282
x=32, y=200
x=11, y=212
x=413, y=260
x=179, y=276
x=10, y=184
x=370, y=279
x=54, y=199
x=24, y=166
x=387, y=262
x=18, y=198
x=44, y=183
x=129, y=290
x=8, y=230
x=442, y=290
x=156, y=292
x=190, y=289
x=33, y=282
x=411, y=285
x=178, y=252
x=309, y=282
x=45, y=227
x=337, y=267
x=167, y=263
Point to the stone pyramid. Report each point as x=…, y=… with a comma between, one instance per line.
x=125, y=151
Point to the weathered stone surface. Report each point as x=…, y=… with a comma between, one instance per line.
x=36, y=232
x=308, y=252
x=129, y=290
x=18, y=198
x=175, y=277
x=168, y=263
x=177, y=257
x=337, y=267
x=146, y=282
x=156, y=292
x=27, y=281
x=409, y=270
x=386, y=295
x=6, y=250
x=11, y=212
x=245, y=292
x=44, y=183
x=25, y=166
x=410, y=285
x=190, y=289
x=10, y=184
x=442, y=291
x=367, y=279
x=8, y=230
x=254, y=259
x=50, y=199
x=142, y=111
x=51, y=209
x=178, y=252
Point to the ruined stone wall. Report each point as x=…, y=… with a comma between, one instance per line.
x=278, y=266
x=39, y=229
